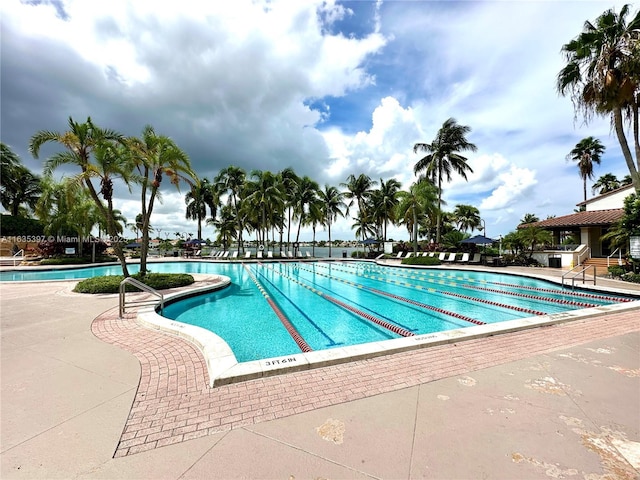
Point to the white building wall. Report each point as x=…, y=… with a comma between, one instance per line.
x=608, y=202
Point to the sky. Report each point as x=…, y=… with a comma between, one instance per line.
x=327, y=88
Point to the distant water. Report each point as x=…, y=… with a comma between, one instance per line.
x=323, y=252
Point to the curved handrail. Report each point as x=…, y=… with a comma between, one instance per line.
x=586, y=252
x=141, y=286
x=619, y=256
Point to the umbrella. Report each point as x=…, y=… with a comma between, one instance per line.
x=195, y=241
x=369, y=241
x=478, y=240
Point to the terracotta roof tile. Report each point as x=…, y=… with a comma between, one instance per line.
x=580, y=219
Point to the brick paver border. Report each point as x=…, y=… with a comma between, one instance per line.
x=174, y=403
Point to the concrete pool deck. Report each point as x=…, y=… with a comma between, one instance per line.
x=552, y=401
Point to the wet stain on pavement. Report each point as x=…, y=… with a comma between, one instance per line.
x=332, y=431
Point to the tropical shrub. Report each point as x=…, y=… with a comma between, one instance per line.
x=617, y=271
x=421, y=261
x=111, y=283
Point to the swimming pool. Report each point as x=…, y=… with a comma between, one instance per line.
x=280, y=309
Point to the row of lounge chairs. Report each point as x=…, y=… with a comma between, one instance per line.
x=445, y=257
x=260, y=254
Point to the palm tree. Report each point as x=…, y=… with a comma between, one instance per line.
x=316, y=217
x=156, y=156
x=534, y=236
x=18, y=185
x=415, y=204
x=385, y=200
x=529, y=218
x=606, y=183
x=626, y=180
x=332, y=206
x=359, y=190
x=305, y=193
x=201, y=196
x=602, y=76
x=586, y=152
x=467, y=217
x=263, y=196
x=443, y=157
x=289, y=181
x=231, y=181
x=225, y=224
x=363, y=226
x=82, y=141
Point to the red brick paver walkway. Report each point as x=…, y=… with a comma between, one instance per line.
x=174, y=403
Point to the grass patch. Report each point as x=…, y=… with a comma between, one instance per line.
x=111, y=283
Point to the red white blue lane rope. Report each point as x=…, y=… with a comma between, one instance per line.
x=486, y=289
x=378, y=321
x=304, y=346
x=406, y=300
x=573, y=294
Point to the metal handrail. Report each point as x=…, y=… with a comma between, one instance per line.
x=18, y=253
x=619, y=256
x=141, y=286
x=576, y=274
x=587, y=251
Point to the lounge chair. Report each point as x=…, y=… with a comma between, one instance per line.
x=290, y=254
x=451, y=258
x=432, y=254
x=307, y=254
x=235, y=254
x=282, y=254
x=408, y=254
x=465, y=258
x=259, y=254
x=225, y=254
x=247, y=255
x=299, y=254
x=399, y=255
x=197, y=253
x=477, y=257
x=442, y=256
x=270, y=254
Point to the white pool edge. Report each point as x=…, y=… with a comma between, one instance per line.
x=223, y=367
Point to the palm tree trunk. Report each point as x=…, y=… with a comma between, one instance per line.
x=622, y=139
x=415, y=231
x=329, y=227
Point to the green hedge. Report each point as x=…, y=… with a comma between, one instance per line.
x=75, y=260
x=421, y=261
x=111, y=283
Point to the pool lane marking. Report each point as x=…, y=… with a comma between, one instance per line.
x=452, y=294
x=485, y=289
x=333, y=292
x=383, y=323
x=563, y=293
x=406, y=300
x=316, y=326
x=304, y=346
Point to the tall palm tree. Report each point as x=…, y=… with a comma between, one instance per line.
x=332, y=207
x=363, y=226
x=225, y=224
x=306, y=192
x=587, y=151
x=359, y=190
x=467, y=217
x=385, y=200
x=316, y=217
x=263, y=196
x=201, y=196
x=82, y=141
x=156, y=156
x=418, y=202
x=602, y=76
x=606, y=183
x=231, y=181
x=443, y=157
x=18, y=185
x=289, y=181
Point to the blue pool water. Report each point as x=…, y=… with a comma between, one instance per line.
x=332, y=304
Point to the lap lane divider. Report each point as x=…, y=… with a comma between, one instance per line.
x=485, y=289
x=304, y=346
x=407, y=300
x=383, y=323
x=332, y=342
